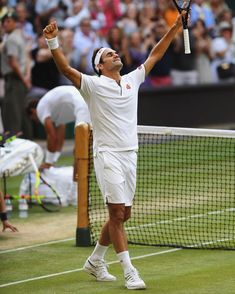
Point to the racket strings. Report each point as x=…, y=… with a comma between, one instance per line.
x=183, y=4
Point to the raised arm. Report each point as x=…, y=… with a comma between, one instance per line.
x=160, y=48
x=51, y=33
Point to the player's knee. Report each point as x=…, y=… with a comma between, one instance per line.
x=117, y=215
x=118, y=218
x=127, y=215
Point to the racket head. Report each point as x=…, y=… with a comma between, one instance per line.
x=183, y=5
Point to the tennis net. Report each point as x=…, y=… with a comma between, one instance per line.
x=185, y=193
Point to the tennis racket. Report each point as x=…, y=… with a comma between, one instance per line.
x=49, y=207
x=184, y=5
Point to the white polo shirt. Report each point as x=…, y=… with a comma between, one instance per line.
x=113, y=109
x=63, y=104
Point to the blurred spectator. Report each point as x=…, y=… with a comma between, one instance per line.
x=11, y=3
x=170, y=13
x=72, y=54
x=137, y=21
x=44, y=71
x=218, y=7
x=79, y=12
x=49, y=9
x=162, y=5
x=225, y=15
x=203, y=51
x=31, y=13
x=97, y=16
x=137, y=50
x=138, y=3
x=146, y=15
x=3, y=8
x=85, y=41
x=160, y=74
x=15, y=67
x=26, y=26
x=112, y=12
x=223, y=49
x=200, y=10
x=119, y=42
x=226, y=32
x=115, y=38
x=128, y=22
x=124, y=5
x=183, y=71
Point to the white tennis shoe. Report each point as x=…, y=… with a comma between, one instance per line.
x=99, y=270
x=133, y=281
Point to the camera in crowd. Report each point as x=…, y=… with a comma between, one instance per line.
x=226, y=70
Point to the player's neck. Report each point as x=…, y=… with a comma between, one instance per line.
x=113, y=75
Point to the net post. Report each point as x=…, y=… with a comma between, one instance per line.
x=82, y=134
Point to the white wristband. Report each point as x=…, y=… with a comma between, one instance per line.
x=56, y=155
x=52, y=43
x=49, y=157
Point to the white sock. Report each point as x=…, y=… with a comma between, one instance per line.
x=125, y=260
x=99, y=252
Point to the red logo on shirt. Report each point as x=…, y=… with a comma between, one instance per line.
x=128, y=86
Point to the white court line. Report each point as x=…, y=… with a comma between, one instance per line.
x=211, y=242
x=80, y=269
x=36, y=245
x=232, y=209
x=112, y=262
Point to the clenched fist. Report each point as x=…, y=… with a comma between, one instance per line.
x=51, y=30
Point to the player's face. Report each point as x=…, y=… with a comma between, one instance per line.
x=111, y=60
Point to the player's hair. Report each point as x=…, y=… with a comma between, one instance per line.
x=32, y=104
x=93, y=61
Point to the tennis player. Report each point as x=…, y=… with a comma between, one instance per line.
x=112, y=101
x=59, y=106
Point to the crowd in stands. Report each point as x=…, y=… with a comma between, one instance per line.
x=131, y=27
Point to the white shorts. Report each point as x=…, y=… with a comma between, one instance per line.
x=116, y=175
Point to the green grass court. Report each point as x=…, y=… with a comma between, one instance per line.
x=42, y=258
x=56, y=268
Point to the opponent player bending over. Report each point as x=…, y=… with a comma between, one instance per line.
x=59, y=106
x=112, y=101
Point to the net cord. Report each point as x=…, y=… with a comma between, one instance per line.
x=161, y=130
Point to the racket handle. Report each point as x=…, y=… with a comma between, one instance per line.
x=186, y=42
